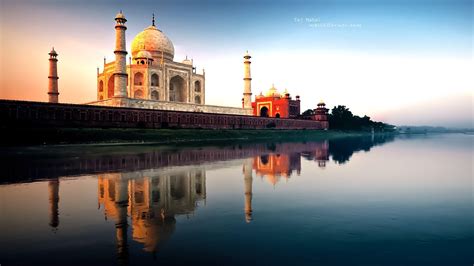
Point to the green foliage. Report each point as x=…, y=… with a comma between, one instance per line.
x=308, y=112
x=342, y=118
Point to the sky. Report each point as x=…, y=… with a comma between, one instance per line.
x=402, y=62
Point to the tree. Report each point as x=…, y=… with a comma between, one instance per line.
x=342, y=118
x=308, y=112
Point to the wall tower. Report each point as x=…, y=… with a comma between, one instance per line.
x=53, y=93
x=247, y=101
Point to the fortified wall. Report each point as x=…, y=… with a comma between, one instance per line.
x=38, y=114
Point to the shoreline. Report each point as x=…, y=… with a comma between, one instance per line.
x=121, y=137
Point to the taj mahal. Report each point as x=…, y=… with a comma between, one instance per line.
x=151, y=73
x=152, y=79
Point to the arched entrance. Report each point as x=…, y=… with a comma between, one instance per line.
x=155, y=95
x=138, y=94
x=197, y=86
x=178, y=91
x=138, y=79
x=155, y=80
x=264, y=112
x=110, y=87
x=277, y=115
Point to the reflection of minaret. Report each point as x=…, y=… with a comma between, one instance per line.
x=53, y=187
x=121, y=201
x=247, y=169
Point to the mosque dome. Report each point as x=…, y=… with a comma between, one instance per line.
x=155, y=42
x=272, y=92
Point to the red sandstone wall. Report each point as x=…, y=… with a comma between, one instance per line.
x=39, y=114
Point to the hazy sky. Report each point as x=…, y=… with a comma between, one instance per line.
x=402, y=62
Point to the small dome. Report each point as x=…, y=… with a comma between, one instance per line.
x=272, y=92
x=321, y=103
x=143, y=54
x=155, y=42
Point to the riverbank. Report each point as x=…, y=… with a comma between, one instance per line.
x=52, y=136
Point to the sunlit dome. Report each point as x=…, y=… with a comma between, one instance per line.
x=155, y=42
x=272, y=92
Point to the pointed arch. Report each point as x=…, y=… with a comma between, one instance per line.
x=197, y=86
x=155, y=80
x=110, y=87
x=155, y=95
x=178, y=91
x=138, y=79
x=138, y=94
x=101, y=86
x=197, y=99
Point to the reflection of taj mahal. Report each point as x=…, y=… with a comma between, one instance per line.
x=151, y=200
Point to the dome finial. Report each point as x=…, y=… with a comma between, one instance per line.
x=153, y=19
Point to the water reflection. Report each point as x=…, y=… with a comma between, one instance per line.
x=53, y=187
x=151, y=200
x=144, y=191
x=341, y=150
x=20, y=165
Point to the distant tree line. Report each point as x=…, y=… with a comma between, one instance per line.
x=342, y=118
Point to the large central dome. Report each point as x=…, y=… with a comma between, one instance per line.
x=154, y=41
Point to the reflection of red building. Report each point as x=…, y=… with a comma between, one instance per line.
x=274, y=104
x=273, y=166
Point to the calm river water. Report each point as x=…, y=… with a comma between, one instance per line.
x=380, y=200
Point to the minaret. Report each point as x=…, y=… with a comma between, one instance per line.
x=53, y=92
x=247, y=169
x=247, y=82
x=120, y=73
